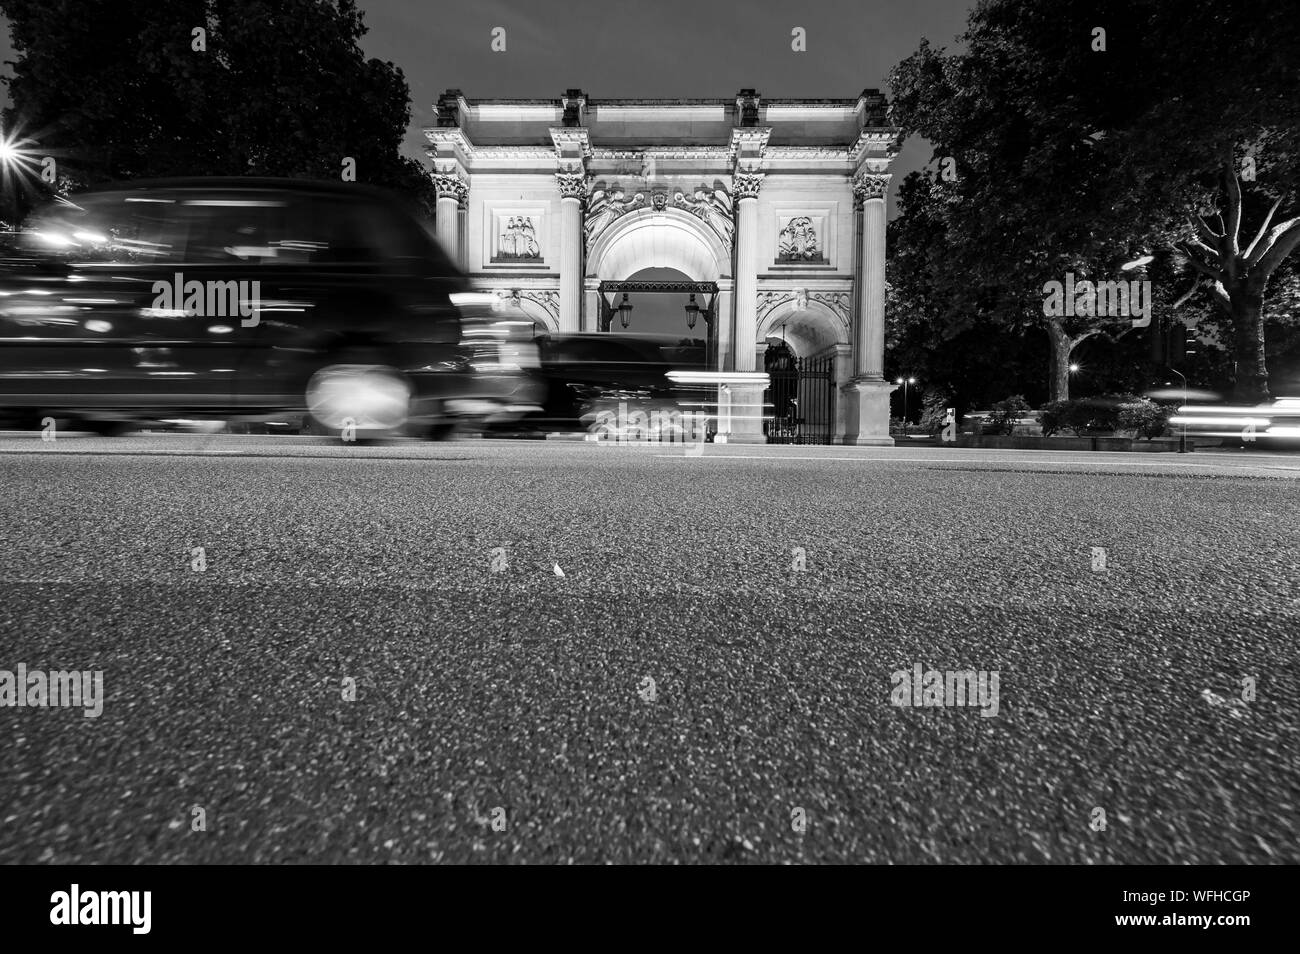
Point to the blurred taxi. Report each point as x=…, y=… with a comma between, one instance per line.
x=237, y=299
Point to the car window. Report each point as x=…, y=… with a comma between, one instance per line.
x=226, y=227
x=106, y=227
x=300, y=229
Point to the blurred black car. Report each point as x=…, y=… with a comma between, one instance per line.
x=234, y=299
x=579, y=376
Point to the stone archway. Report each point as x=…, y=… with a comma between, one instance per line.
x=650, y=238
x=668, y=238
x=539, y=308
x=810, y=328
x=804, y=345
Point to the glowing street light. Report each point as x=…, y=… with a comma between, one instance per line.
x=905, y=382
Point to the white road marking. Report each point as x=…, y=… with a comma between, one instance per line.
x=999, y=461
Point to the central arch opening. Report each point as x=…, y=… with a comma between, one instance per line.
x=659, y=312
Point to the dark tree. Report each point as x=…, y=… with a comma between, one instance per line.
x=1078, y=135
x=125, y=89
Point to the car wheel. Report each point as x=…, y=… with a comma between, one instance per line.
x=358, y=397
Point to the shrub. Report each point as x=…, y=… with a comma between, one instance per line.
x=1084, y=414
x=1053, y=416
x=934, y=408
x=1145, y=418
x=1004, y=414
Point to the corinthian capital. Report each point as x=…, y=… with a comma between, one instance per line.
x=573, y=185
x=870, y=185
x=745, y=185
x=449, y=185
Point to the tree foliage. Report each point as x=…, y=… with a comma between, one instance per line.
x=1073, y=151
x=116, y=89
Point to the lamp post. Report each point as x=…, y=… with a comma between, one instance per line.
x=905, y=382
x=1182, y=438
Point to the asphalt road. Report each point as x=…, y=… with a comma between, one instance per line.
x=523, y=690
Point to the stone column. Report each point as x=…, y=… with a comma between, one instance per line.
x=450, y=188
x=843, y=373
x=573, y=190
x=723, y=318
x=869, y=190
x=745, y=191
x=866, y=418
x=462, y=220
x=591, y=304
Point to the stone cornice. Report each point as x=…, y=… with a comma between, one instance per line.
x=828, y=153
x=876, y=141
x=448, y=136
x=568, y=139
x=664, y=152
x=748, y=142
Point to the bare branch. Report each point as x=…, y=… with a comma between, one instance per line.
x=1221, y=297
x=1250, y=249
x=1196, y=263
x=1287, y=239
x=1182, y=299
x=1271, y=239
x=1207, y=234
x=1232, y=189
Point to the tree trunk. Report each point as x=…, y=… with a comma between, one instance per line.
x=1058, y=385
x=1247, y=311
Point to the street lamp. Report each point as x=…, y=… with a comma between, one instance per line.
x=905, y=382
x=692, y=312
x=1182, y=438
x=625, y=312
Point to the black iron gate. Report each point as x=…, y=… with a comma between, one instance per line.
x=800, y=399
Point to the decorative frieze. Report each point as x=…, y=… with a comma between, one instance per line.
x=513, y=298
x=605, y=206
x=517, y=241
x=713, y=207
x=797, y=242
x=838, y=302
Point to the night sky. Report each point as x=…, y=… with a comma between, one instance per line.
x=666, y=48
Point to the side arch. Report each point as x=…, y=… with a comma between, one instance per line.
x=809, y=330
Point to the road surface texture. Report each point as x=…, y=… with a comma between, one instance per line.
x=711, y=673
